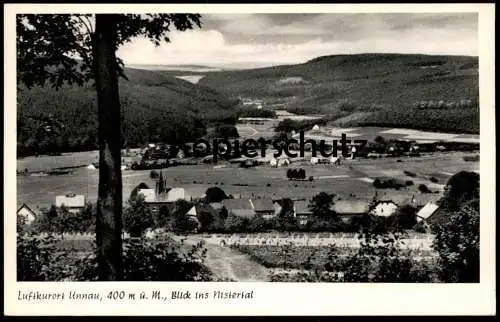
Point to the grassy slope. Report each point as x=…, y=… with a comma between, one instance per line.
x=379, y=84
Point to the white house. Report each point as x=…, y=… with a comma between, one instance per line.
x=27, y=214
x=384, y=209
x=283, y=162
x=74, y=203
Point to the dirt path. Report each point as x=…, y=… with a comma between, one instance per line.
x=230, y=264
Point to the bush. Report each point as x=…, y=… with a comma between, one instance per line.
x=433, y=179
x=235, y=224
x=34, y=257
x=154, y=175
x=410, y=174
x=38, y=259
x=409, y=183
x=457, y=243
x=215, y=194
x=137, y=216
x=461, y=187
x=60, y=220
x=380, y=258
x=423, y=188
x=389, y=184
x=471, y=158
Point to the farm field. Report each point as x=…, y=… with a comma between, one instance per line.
x=340, y=240
x=266, y=130
x=350, y=178
x=285, y=257
x=74, y=159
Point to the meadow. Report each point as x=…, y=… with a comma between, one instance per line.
x=351, y=178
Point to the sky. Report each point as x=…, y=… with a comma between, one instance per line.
x=256, y=40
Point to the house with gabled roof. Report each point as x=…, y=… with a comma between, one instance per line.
x=264, y=207
x=347, y=209
x=240, y=207
x=26, y=213
x=74, y=203
x=384, y=208
x=302, y=211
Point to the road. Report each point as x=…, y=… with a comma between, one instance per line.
x=229, y=264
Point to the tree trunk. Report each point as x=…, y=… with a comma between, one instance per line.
x=109, y=203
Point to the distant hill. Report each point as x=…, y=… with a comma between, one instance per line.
x=155, y=107
x=420, y=91
x=178, y=68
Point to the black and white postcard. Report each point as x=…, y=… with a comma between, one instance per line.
x=249, y=159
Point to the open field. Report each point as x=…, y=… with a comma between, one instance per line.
x=352, y=177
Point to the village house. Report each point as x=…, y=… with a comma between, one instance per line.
x=302, y=212
x=27, y=214
x=348, y=209
x=192, y=215
x=265, y=208
x=384, y=208
x=74, y=203
x=242, y=208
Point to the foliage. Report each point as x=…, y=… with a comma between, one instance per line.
x=135, y=191
x=256, y=224
x=38, y=259
x=76, y=57
x=321, y=205
x=206, y=219
x=185, y=224
x=423, y=188
x=405, y=217
x=434, y=179
x=461, y=187
x=410, y=174
x=457, y=243
x=215, y=194
x=287, y=208
x=471, y=158
x=390, y=183
x=34, y=256
x=380, y=258
x=60, y=220
x=148, y=98
x=153, y=175
x=137, y=216
x=296, y=174
x=234, y=223
x=382, y=87
x=254, y=112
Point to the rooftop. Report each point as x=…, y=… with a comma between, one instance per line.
x=302, y=207
x=239, y=207
x=352, y=206
x=427, y=211
x=70, y=201
x=263, y=204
